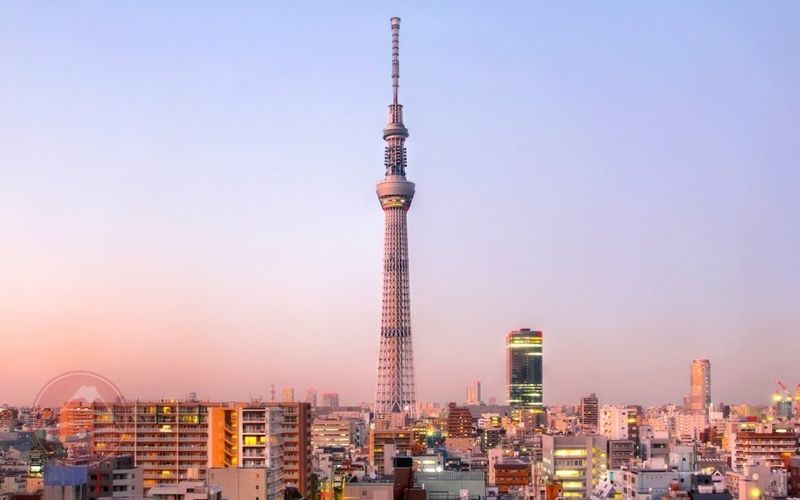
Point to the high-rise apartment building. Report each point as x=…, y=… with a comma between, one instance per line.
x=287, y=394
x=236, y=441
x=168, y=439
x=474, y=393
x=524, y=370
x=260, y=441
x=459, y=422
x=174, y=441
x=295, y=439
x=700, y=386
x=394, y=391
x=589, y=412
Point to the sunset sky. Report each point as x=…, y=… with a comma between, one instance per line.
x=187, y=195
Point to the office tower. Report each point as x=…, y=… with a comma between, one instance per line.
x=700, y=386
x=589, y=412
x=524, y=370
x=474, y=393
x=330, y=400
x=311, y=397
x=287, y=394
x=394, y=392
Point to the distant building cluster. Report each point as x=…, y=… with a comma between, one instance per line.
x=193, y=449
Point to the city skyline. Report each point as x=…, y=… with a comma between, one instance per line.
x=167, y=205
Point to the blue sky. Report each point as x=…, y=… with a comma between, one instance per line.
x=188, y=194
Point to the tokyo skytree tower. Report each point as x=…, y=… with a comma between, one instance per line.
x=395, y=385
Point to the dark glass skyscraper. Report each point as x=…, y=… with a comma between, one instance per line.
x=524, y=370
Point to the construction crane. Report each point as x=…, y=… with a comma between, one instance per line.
x=781, y=392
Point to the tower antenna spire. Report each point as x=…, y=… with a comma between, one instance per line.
x=395, y=58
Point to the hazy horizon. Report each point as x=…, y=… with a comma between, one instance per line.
x=188, y=196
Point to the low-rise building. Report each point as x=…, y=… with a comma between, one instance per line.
x=620, y=452
x=115, y=477
x=252, y=483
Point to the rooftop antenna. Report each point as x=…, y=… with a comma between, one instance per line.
x=395, y=58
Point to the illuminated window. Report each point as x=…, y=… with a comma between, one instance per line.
x=571, y=452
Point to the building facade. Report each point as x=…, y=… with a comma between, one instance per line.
x=577, y=462
x=589, y=412
x=474, y=393
x=700, y=386
x=168, y=439
x=524, y=388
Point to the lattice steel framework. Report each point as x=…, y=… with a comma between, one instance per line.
x=394, y=391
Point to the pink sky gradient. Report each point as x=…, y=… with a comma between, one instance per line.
x=187, y=198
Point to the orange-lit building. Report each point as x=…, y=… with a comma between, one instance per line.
x=512, y=475
x=75, y=418
x=178, y=440
x=168, y=439
x=700, y=386
x=228, y=448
